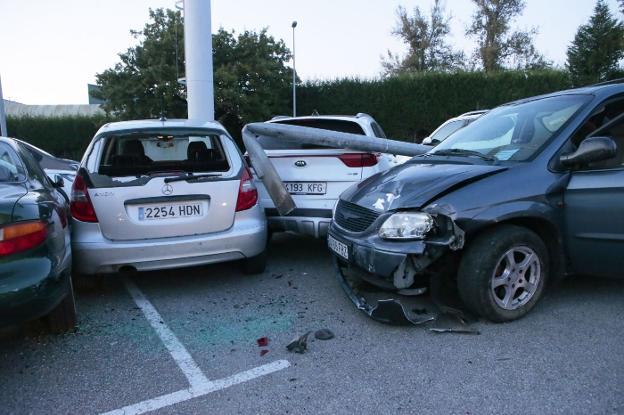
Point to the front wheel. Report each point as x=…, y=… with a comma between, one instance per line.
x=503, y=273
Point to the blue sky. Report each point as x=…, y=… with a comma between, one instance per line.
x=52, y=49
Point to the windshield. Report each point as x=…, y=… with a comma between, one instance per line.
x=514, y=132
x=137, y=154
x=445, y=130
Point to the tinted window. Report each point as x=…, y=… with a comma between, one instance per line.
x=379, y=132
x=11, y=168
x=135, y=154
x=616, y=132
x=516, y=132
x=271, y=143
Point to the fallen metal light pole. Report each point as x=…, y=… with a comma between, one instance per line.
x=284, y=203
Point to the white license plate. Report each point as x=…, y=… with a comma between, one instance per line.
x=170, y=211
x=338, y=247
x=306, y=188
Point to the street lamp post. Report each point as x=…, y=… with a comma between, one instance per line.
x=3, y=127
x=294, y=24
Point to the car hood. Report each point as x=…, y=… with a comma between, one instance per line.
x=414, y=185
x=9, y=194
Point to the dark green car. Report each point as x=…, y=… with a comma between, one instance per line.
x=35, y=249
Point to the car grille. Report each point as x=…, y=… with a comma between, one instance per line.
x=354, y=218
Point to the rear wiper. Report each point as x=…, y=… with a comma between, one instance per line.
x=462, y=152
x=192, y=177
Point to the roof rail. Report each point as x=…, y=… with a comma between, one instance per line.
x=363, y=115
x=611, y=82
x=280, y=117
x=475, y=112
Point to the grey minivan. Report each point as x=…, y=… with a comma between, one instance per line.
x=164, y=194
x=532, y=190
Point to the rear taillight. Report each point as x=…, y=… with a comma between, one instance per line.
x=20, y=237
x=80, y=205
x=247, y=192
x=358, y=159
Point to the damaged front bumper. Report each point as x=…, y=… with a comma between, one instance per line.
x=393, y=264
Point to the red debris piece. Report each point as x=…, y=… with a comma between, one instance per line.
x=263, y=342
x=263, y=352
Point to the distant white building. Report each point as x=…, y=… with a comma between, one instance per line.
x=17, y=109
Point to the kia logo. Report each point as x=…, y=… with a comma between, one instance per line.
x=300, y=163
x=167, y=189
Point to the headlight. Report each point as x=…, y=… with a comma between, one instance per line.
x=406, y=225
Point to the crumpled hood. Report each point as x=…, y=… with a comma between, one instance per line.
x=412, y=185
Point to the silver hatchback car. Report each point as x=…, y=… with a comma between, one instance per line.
x=164, y=194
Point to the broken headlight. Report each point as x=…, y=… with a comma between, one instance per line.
x=406, y=225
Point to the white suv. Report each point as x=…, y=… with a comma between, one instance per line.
x=450, y=126
x=315, y=176
x=164, y=194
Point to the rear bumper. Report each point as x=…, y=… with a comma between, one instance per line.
x=313, y=222
x=94, y=254
x=31, y=286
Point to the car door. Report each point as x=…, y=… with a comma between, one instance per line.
x=594, y=206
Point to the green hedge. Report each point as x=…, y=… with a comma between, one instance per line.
x=407, y=107
x=410, y=106
x=62, y=136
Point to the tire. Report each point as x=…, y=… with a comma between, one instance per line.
x=255, y=264
x=503, y=273
x=63, y=317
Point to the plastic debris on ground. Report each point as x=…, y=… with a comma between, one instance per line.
x=439, y=311
x=263, y=342
x=323, y=334
x=299, y=345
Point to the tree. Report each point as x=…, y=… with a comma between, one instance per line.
x=498, y=45
x=251, y=79
x=597, y=48
x=426, y=39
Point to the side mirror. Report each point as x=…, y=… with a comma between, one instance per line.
x=58, y=181
x=591, y=150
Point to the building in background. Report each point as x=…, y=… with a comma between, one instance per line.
x=17, y=109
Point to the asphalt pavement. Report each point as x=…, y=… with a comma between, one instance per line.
x=566, y=357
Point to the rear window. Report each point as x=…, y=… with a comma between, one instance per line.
x=134, y=154
x=343, y=126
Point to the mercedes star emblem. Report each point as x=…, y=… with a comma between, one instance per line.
x=167, y=189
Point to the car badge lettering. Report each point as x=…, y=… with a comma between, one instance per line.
x=301, y=163
x=167, y=189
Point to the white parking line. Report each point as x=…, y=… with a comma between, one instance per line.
x=187, y=394
x=199, y=383
x=177, y=350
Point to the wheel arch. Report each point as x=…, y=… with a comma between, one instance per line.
x=544, y=228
